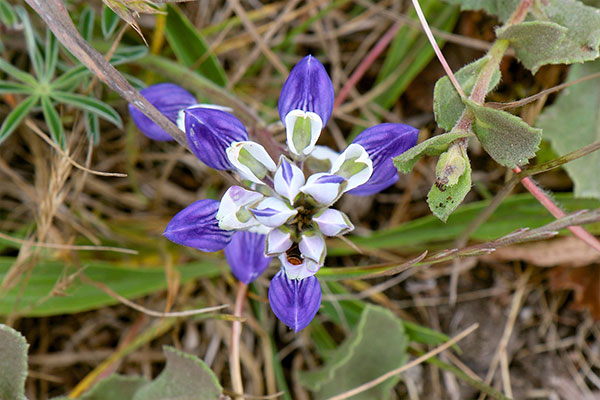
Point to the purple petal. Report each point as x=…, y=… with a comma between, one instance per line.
x=295, y=302
x=383, y=142
x=169, y=99
x=330, y=179
x=307, y=88
x=197, y=226
x=210, y=132
x=264, y=212
x=246, y=255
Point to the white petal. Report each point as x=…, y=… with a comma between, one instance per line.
x=296, y=139
x=233, y=210
x=312, y=246
x=288, y=179
x=333, y=222
x=252, y=165
x=354, y=157
x=273, y=212
x=301, y=271
x=323, y=187
x=278, y=241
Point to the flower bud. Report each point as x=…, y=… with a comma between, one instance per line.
x=246, y=255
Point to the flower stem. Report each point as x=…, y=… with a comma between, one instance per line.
x=236, y=331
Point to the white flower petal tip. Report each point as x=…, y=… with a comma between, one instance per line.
x=233, y=211
x=303, y=129
x=353, y=164
x=273, y=212
x=294, y=270
x=332, y=222
x=288, y=180
x=251, y=160
x=324, y=188
x=312, y=246
x=278, y=241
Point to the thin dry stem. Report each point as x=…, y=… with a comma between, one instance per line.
x=236, y=331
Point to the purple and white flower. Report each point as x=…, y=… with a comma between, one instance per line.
x=282, y=209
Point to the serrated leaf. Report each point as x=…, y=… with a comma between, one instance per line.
x=500, y=8
x=505, y=137
x=86, y=23
x=433, y=146
x=572, y=122
x=17, y=73
x=377, y=345
x=190, y=47
x=71, y=76
x=12, y=120
x=53, y=121
x=447, y=104
x=14, y=87
x=7, y=15
x=108, y=22
x=32, y=48
x=90, y=104
x=443, y=199
x=13, y=363
x=184, y=377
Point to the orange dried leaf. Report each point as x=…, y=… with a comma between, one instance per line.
x=585, y=283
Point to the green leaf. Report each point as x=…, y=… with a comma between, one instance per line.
x=7, y=15
x=422, y=334
x=73, y=75
x=13, y=364
x=377, y=345
x=92, y=127
x=14, y=87
x=500, y=8
x=12, y=120
x=108, y=22
x=86, y=23
x=129, y=282
x=51, y=55
x=115, y=387
x=443, y=199
x=190, y=47
x=125, y=54
x=433, y=146
x=34, y=52
x=447, y=104
x=53, y=121
x=572, y=122
x=90, y=104
x=184, y=377
x=17, y=73
x=505, y=137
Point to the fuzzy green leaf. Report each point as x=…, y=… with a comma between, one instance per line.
x=443, y=199
x=14, y=87
x=51, y=55
x=34, y=52
x=433, y=147
x=190, y=47
x=7, y=15
x=115, y=387
x=70, y=77
x=447, y=105
x=13, y=364
x=506, y=138
x=184, y=377
x=17, y=73
x=53, y=121
x=108, y=22
x=572, y=122
x=12, y=120
x=86, y=23
x=90, y=104
x=376, y=346
x=92, y=127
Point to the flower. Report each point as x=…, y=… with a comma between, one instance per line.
x=283, y=208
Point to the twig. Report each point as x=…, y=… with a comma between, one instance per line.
x=416, y=361
x=152, y=313
x=236, y=331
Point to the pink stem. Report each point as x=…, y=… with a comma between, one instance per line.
x=366, y=63
x=544, y=200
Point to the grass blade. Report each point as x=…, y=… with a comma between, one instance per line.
x=17, y=115
x=90, y=104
